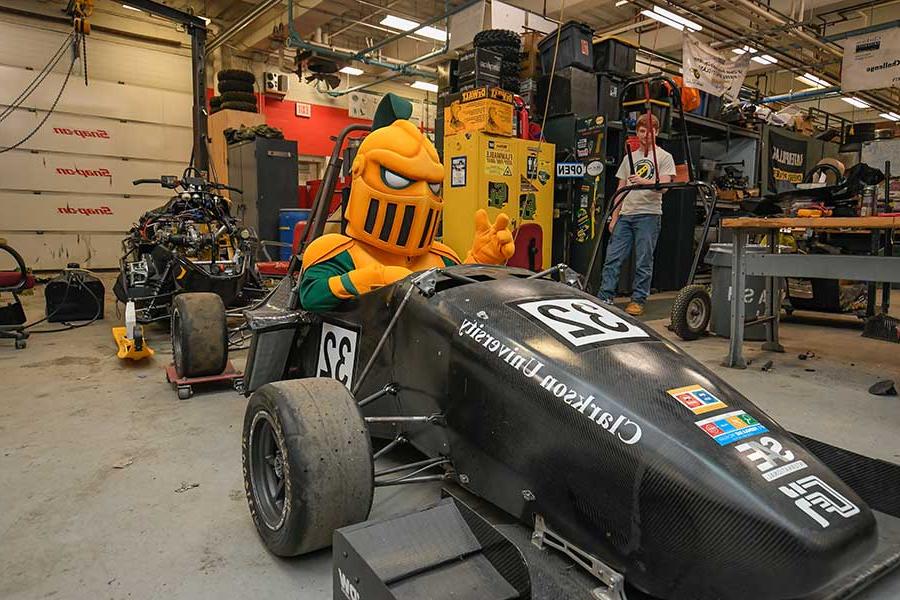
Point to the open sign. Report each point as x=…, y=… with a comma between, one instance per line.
x=573, y=169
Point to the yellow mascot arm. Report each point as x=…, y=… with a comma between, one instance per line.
x=332, y=273
x=493, y=244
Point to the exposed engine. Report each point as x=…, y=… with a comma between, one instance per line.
x=192, y=243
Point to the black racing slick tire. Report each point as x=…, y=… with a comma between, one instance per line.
x=230, y=85
x=307, y=463
x=236, y=75
x=691, y=312
x=498, y=37
x=239, y=97
x=243, y=106
x=215, y=102
x=199, y=334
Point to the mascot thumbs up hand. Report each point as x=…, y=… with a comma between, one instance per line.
x=493, y=244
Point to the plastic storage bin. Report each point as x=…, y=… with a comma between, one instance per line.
x=615, y=56
x=575, y=49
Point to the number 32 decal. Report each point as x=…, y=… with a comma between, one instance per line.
x=337, y=353
x=580, y=322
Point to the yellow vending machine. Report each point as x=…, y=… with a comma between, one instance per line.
x=533, y=233
x=499, y=174
x=479, y=172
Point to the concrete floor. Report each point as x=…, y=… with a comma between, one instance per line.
x=172, y=521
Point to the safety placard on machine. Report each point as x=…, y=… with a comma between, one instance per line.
x=570, y=169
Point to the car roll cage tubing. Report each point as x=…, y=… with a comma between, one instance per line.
x=706, y=189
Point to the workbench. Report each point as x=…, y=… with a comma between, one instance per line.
x=871, y=268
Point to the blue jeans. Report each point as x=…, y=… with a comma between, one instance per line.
x=641, y=232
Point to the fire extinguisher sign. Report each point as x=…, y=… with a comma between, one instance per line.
x=570, y=169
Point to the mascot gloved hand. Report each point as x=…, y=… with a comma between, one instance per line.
x=493, y=244
x=391, y=218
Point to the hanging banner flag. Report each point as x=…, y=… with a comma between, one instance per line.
x=871, y=61
x=713, y=72
x=787, y=161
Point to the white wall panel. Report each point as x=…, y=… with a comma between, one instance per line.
x=109, y=58
x=98, y=98
x=55, y=250
x=48, y=172
x=79, y=134
x=72, y=212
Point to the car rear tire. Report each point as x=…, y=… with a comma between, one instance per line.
x=199, y=334
x=307, y=462
x=691, y=312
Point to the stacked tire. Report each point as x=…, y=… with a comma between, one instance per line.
x=508, y=45
x=236, y=91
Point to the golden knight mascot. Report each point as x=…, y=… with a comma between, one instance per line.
x=391, y=218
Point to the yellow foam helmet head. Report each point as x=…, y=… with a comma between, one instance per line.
x=395, y=198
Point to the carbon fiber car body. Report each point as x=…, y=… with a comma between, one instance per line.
x=553, y=405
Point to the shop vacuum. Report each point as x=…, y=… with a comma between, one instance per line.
x=74, y=295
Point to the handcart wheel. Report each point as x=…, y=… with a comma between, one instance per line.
x=691, y=312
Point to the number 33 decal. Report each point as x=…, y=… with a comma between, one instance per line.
x=580, y=322
x=337, y=353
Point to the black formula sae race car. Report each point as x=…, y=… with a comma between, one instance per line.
x=609, y=445
x=190, y=244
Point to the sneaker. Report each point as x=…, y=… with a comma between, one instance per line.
x=634, y=309
x=605, y=300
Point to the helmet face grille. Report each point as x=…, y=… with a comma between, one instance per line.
x=396, y=225
x=390, y=213
x=371, y=216
x=427, y=229
x=408, y=214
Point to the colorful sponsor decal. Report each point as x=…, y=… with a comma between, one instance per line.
x=731, y=427
x=696, y=399
x=772, y=459
x=558, y=385
x=68, y=210
x=581, y=322
x=84, y=172
x=818, y=499
x=82, y=133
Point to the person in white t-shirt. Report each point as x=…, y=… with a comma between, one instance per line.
x=636, y=222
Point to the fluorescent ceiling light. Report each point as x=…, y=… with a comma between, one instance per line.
x=764, y=59
x=402, y=24
x=890, y=116
x=810, y=79
x=662, y=19
x=621, y=2
x=352, y=71
x=744, y=49
x=131, y=7
x=677, y=18
x=854, y=101
x=424, y=85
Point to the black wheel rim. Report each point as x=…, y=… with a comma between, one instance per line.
x=267, y=471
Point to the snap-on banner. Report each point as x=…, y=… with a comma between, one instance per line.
x=871, y=61
x=713, y=72
x=787, y=162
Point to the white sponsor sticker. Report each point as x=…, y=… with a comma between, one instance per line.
x=770, y=457
x=337, y=353
x=347, y=588
x=818, y=499
x=581, y=322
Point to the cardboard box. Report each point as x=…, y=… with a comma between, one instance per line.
x=479, y=62
x=488, y=115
